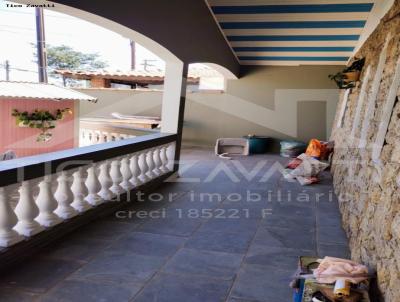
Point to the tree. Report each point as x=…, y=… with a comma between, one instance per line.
x=65, y=57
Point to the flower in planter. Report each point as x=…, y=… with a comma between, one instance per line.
x=40, y=119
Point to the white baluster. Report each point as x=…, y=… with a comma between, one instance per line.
x=135, y=170
x=157, y=161
x=101, y=137
x=92, y=137
x=79, y=191
x=8, y=220
x=105, y=181
x=171, y=156
x=46, y=204
x=126, y=174
x=150, y=164
x=117, y=136
x=64, y=197
x=116, y=178
x=164, y=159
x=109, y=137
x=26, y=211
x=143, y=167
x=93, y=185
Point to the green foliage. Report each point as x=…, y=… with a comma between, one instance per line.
x=65, y=57
x=341, y=79
x=40, y=119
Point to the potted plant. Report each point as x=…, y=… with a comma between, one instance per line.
x=349, y=76
x=40, y=119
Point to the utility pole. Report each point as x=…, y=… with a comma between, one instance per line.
x=41, y=45
x=133, y=55
x=146, y=63
x=7, y=67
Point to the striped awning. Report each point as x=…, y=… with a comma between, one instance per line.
x=302, y=32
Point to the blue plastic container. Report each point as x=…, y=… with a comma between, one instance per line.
x=258, y=144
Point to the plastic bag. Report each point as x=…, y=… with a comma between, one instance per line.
x=309, y=166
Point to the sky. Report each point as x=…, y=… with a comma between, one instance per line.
x=18, y=31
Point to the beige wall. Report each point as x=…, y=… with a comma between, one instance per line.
x=273, y=101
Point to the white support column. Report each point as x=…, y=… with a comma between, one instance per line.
x=173, y=105
x=174, y=89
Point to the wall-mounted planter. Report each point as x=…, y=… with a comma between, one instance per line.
x=40, y=119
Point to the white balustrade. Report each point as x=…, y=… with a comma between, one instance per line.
x=94, y=186
x=80, y=191
x=164, y=159
x=157, y=161
x=116, y=177
x=89, y=186
x=8, y=220
x=64, y=197
x=105, y=182
x=150, y=164
x=47, y=204
x=89, y=137
x=143, y=167
x=26, y=211
x=135, y=170
x=126, y=174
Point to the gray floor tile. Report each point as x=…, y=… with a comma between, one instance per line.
x=204, y=263
x=38, y=274
x=275, y=257
x=173, y=288
x=334, y=250
x=89, y=291
x=171, y=226
x=236, y=243
x=288, y=238
x=230, y=225
x=275, y=220
x=147, y=244
x=76, y=249
x=120, y=267
x=12, y=295
x=262, y=284
x=331, y=234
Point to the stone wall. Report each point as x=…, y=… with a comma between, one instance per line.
x=366, y=163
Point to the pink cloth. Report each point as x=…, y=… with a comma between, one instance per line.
x=330, y=269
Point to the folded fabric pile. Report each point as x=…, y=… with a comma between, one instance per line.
x=305, y=169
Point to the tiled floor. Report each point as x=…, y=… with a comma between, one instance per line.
x=227, y=231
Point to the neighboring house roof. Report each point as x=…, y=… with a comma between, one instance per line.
x=40, y=91
x=133, y=76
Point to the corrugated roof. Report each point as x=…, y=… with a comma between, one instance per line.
x=195, y=73
x=41, y=91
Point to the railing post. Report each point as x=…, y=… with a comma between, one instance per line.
x=105, y=182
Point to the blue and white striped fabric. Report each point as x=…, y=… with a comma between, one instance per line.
x=292, y=32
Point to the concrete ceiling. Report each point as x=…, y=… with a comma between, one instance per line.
x=288, y=32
